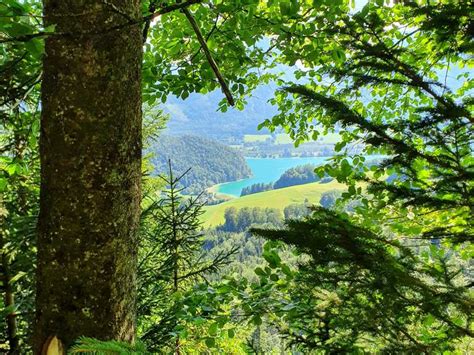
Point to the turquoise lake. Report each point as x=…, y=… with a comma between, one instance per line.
x=265, y=170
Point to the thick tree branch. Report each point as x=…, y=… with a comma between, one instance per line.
x=210, y=59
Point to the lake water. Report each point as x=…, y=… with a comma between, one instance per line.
x=265, y=170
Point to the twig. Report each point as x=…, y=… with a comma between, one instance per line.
x=151, y=9
x=28, y=91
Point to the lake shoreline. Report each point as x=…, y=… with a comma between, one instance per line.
x=264, y=170
x=267, y=170
x=214, y=190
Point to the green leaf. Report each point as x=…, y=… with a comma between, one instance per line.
x=3, y=184
x=257, y=320
x=272, y=258
x=288, y=307
x=213, y=329
x=17, y=277
x=260, y=272
x=286, y=270
x=346, y=168
x=210, y=342
x=285, y=8
x=339, y=56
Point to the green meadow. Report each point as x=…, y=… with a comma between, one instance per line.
x=280, y=198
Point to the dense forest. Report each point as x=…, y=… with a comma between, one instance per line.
x=241, y=220
x=212, y=162
x=299, y=175
x=101, y=254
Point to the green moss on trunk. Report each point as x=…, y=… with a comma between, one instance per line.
x=90, y=172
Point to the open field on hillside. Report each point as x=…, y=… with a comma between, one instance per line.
x=252, y=138
x=282, y=138
x=280, y=198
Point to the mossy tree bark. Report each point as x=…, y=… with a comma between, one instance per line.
x=90, y=151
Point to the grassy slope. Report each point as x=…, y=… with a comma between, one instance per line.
x=280, y=198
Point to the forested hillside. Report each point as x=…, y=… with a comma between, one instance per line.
x=299, y=175
x=280, y=198
x=211, y=162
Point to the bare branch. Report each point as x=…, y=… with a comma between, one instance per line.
x=210, y=59
x=131, y=22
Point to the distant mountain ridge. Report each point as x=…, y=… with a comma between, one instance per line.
x=198, y=115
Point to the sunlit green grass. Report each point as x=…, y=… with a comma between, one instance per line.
x=280, y=198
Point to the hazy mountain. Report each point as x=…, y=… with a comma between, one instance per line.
x=198, y=115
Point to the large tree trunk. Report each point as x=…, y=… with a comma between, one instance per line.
x=90, y=151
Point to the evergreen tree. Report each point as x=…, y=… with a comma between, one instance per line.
x=359, y=291
x=172, y=259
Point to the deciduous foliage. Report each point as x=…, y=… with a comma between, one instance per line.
x=389, y=79
x=20, y=74
x=419, y=110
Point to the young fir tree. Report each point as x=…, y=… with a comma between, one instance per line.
x=172, y=259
